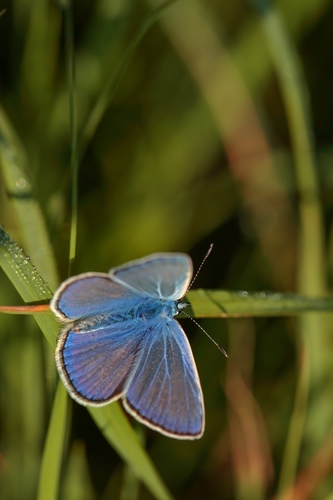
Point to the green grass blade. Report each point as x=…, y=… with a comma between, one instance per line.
x=28, y=282
x=296, y=426
x=224, y=304
x=52, y=457
x=77, y=483
x=28, y=215
x=295, y=96
x=69, y=43
x=110, y=420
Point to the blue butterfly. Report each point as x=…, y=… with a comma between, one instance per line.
x=120, y=340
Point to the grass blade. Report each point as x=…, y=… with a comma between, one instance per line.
x=52, y=457
x=28, y=214
x=110, y=419
x=225, y=304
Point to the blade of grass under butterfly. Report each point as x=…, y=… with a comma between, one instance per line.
x=53, y=451
x=205, y=303
x=17, y=266
x=76, y=482
x=32, y=288
x=28, y=282
x=225, y=304
x=111, y=86
x=111, y=420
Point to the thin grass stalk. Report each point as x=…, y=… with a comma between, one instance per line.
x=74, y=165
x=111, y=85
x=49, y=478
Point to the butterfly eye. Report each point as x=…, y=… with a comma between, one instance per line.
x=182, y=305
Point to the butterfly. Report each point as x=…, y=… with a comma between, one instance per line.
x=119, y=339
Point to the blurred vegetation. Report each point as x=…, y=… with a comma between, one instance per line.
x=219, y=129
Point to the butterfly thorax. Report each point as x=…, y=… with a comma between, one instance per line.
x=148, y=309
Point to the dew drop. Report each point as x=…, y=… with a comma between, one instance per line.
x=21, y=183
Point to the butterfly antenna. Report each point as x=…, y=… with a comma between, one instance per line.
x=200, y=267
x=211, y=338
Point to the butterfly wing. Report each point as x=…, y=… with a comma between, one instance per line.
x=89, y=294
x=161, y=275
x=94, y=361
x=163, y=390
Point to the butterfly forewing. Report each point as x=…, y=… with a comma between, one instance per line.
x=89, y=294
x=159, y=275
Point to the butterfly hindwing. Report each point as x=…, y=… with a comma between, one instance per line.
x=164, y=390
x=95, y=363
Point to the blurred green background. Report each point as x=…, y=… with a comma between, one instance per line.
x=219, y=129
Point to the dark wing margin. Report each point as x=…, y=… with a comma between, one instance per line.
x=164, y=391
